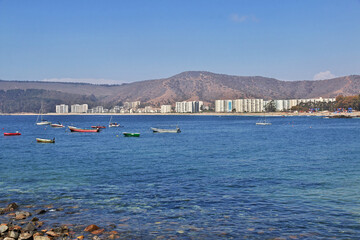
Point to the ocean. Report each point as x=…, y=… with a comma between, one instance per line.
x=222, y=177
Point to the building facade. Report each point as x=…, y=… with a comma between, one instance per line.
x=79, y=108
x=62, y=108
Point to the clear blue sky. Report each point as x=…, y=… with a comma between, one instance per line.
x=126, y=41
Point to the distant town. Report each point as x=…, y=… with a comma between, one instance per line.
x=221, y=106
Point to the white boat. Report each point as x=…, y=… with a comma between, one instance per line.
x=113, y=124
x=43, y=140
x=263, y=122
x=40, y=120
x=57, y=125
x=162, y=130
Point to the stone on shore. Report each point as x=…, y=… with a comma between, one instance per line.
x=52, y=234
x=30, y=227
x=9, y=238
x=40, y=211
x=3, y=228
x=91, y=228
x=14, y=234
x=22, y=215
x=42, y=238
x=25, y=236
x=99, y=231
x=9, y=208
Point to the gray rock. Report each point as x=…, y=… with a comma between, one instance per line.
x=22, y=215
x=96, y=238
x=3, y=228
x=14, y=234
x=40, y=211
x=29, y=227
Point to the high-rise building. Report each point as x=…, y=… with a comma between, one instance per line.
x=165, y=108
x=62, y=108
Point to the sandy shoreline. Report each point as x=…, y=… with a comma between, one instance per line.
x=274, y=114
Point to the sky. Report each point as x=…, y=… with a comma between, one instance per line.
x=122, y=41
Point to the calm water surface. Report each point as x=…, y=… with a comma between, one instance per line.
x=222, y=177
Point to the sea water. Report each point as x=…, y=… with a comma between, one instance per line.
x=221, y=177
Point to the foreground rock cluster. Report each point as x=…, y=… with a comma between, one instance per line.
x=24, y=225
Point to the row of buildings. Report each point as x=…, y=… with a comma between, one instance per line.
x=237, y=105
x=259, y=105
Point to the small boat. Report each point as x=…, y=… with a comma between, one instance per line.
x=98, y=127
x=43, y=122
x=263, y=123
x=75, y=129
x=12, y=134
x=113, y=124
x=161, y=130
x=57, y=125
x=43, y=140
x=126, y=134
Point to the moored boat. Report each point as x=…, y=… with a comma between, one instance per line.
x=75, y=129
x=162, y=130
x=57, y=125
x=113, y=124
x=43, y=140
x=98, y=127
x=43, y=122
x=126, y=134
x=12, y=134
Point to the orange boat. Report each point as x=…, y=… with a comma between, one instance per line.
x=75, y=129
x=12, y=134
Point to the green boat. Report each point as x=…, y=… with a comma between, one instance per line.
x=126, y=134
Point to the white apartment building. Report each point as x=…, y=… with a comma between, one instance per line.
x=79, y=108
x=188, y=107
x=165, y=109
x=62, y=108
x=240, y=105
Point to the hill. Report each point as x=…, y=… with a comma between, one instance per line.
x=196, y=85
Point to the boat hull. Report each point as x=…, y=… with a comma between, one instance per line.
x=114, y=125
x=12, y=134
x=74, y=129
x=55, y=125
x=42, y=140
x=43, y=123
x=263, y=123
x=98, y=127
x=159, y=130
x=126, y=134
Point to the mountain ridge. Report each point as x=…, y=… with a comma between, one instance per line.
x=199, y=85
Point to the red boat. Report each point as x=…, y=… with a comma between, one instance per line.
x=12, y=134
x=98, y=127
x=75, y=129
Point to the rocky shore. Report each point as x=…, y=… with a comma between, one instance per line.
x=25, y=225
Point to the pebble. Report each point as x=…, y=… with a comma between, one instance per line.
x=52, y=234
x=42, y=238
x=25, y=235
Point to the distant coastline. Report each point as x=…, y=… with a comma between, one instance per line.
x=273, y=114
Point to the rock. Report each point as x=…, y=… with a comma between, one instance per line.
x=9, y=238
x=34, y=219
x=80, y=237
x=16, y=228
x=42, y=238
x=12, y=207
x=40, y=211
x=91, y=228
x=99, y=231
x=30, y=227
x=25, y=236
x=22, y=215
x=39, y=224
x=113, y=236
x=96, y=238
x=13, y=234
x=3, y=228
x=52, y=234
x=9, y=208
